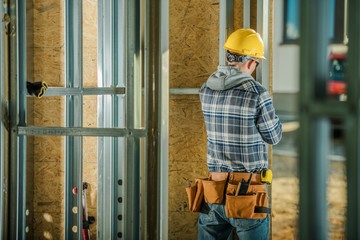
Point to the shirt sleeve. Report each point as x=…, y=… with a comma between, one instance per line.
x=267, y=122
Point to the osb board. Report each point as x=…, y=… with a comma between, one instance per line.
x=49, y=149
x=49, y=111
x=238, y=14
x=90, y=23
x=48, y=23
x=90, y=41
x=49, y=66
x=186, y=226
x=187, y=158
x=187, y=135
x=193, y=41
x=48, y=226
x=90, y=111
x=49, y=184
x=48, y=199
x=90, y=67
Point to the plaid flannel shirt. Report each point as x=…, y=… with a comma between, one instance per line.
x=239, y=121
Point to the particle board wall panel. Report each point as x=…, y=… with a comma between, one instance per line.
x=48, y=25
x=90, y=41
x=90, y=67
x=186, y=226
x=187, y=128
x=49, y=66
x=187, y=159
x=48, y=196
x=90, y=112
x=49, y=149
x=48, y=199
x=194, y=47
x=49, y=111
x=238, y=14
x=90, y=24
x=48, y=226
x=193, y=41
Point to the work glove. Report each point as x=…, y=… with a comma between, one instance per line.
x=36, y=88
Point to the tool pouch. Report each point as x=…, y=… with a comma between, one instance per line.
x=252, y=205
x=214, y=191
x=195, y=196
x=242, y=206
x=214, y=187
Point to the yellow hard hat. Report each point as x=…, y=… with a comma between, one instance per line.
x=245, y=41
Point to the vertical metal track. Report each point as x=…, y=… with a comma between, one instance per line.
x=263, y=19
x=3, y=175
x=353, y=123
x=246, y=10
x=111, y=150
x=105, y=177
x=13, y=109
x=21, y=78
x=74, y=146
x=163, y=122
x=226, y=26
x=132, y=181
x=157, y=127
x=17, y=193
x=314, y=128
x=118, y=110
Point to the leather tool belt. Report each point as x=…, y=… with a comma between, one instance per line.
x=243, y=194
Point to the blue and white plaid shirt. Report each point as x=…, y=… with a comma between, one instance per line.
x=239, y=121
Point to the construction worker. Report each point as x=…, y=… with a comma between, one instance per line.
x=240, y=119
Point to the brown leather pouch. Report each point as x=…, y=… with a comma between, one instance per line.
x=195, y=196
x=242, y=206
x=231, y=188
x=214, y=191
x=218, y=176
x=245, y=206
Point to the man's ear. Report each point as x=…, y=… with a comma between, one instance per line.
x=248, y=64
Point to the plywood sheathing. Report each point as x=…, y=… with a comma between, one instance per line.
x=90, y=41
x=238, y=14
x=48, y=187
x=193, y=45
x=193, y=41
x=187, y=159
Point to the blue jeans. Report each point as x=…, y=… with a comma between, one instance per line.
x=215, y=225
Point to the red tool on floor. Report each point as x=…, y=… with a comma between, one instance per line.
x=87, y=220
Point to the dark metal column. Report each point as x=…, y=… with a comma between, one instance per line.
x=153, y=164
x=314, y=127
x=4, y=56
x=132, y=163
x=353, y=122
